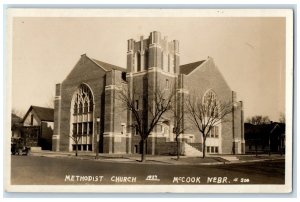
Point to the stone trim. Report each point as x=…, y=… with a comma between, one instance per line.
x=182, y=90
x=112, y=87
x=114, y=134
x=154, y=45
x=236, y=140
x=56, y=137
x=150, y=70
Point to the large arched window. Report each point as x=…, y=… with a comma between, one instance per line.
x=82, y=118
x=212, y=110
x=211, y=104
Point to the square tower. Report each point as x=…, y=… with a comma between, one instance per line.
x=153, y=52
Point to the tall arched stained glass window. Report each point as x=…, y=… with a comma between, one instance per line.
x=210, y=103
x=82, y=118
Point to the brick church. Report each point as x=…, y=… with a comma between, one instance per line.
x=86, y=102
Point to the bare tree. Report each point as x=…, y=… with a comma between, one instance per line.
x=206, y=112
x=282, y=118
x=147, y=109
x=76, y=138
x=258, y=120
x=18, y=113
x=178, y=128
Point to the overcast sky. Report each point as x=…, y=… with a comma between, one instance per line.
x=249, y=52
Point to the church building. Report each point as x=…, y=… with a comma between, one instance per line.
x=86, y=102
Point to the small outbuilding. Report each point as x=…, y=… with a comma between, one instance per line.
x=37, y=128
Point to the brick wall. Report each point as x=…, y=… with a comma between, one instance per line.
x=87, y=72
x=198, y=82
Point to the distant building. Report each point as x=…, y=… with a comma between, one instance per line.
x=86, y=101
x=37, y=127
x=259, y=138
x=16, y=125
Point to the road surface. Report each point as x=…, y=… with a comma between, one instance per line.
x=35, y=170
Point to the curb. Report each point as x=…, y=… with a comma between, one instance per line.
x=150, y=161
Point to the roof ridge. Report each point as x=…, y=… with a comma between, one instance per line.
x=41, y=107
x=106, y=63
x=190, y=67
x=193, y=62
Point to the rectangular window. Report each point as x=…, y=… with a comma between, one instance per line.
x=84, y=147
x=167, y=83
x=212, y=130
x=136, y=130
x=212, y=149
x=217, y=150
x=217, y=131
x=79, y=128
x=90, y=127
x=90, y=148
x=84, y=128
x=207, y=149
x=74, y=129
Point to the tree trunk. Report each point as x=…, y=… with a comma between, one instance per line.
x=280, y=146
x=97, y=150
x=76, y=152
x=269, y=144
x=204, y=149
x=143, y=158
x=177, y=141
x=256, y=148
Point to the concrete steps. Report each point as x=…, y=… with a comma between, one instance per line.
x=189, y=150
x=230, y=158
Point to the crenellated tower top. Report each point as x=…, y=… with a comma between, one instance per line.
x=153, y=52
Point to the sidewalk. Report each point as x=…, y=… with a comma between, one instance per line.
x=167, y=160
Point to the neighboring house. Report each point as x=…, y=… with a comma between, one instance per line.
x=259, y=137
x=37, y=127
x=16, y=125
x=86, y=101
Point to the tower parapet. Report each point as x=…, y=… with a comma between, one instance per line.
x=153, y=52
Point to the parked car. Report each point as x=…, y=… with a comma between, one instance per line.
x=19, y=149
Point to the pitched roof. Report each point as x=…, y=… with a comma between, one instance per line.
x=107, y=66
x=43, y=113
x=15, y=120
x=188, y=68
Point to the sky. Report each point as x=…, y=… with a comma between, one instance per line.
x=249, y=52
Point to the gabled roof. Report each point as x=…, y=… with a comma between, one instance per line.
x=43, y=113
x=15, y=121
x=188, y=68
x=15, y=118
x=107, y=66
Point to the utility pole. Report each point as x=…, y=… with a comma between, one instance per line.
x=270, y=137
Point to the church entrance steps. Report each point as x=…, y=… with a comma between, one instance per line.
x=189, y=150
x=229, y=158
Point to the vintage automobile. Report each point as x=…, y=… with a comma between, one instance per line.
x=19, y=149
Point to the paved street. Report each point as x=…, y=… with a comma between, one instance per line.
x=44, y=170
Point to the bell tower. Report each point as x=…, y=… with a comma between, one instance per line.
x=153, y=52
x=152, y=66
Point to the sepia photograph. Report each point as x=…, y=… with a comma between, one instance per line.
x=149, y=100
